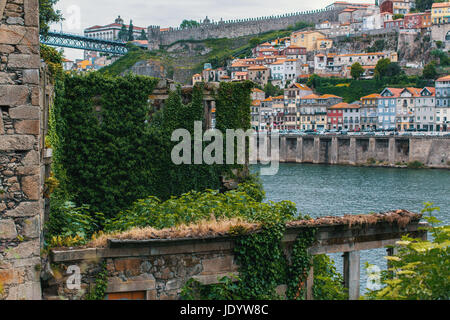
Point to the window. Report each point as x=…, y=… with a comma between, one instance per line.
x=137, y=295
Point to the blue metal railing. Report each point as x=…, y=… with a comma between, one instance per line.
x=76, y=41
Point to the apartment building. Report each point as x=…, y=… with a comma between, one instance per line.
x=425, y=109
x=443, y=104
x=440, y=13
x=313, y=110
x=368, y=111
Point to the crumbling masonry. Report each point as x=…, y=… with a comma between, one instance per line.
x=23, y=97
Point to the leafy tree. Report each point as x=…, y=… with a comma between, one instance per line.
x=422, y=5
x=53, y=58
x=123, y=33
x=254, y=42
x=381, y=67
x=313, y=81
x=421, y=269
x=444, y=60
x=143, y=36
x=356, y=70
x=377, y=46
x=429, y=72
x=189, y=24
x=300, y=25
x=393, y=69
x=48, y=15
x=272, y=91
x=398, y=16
x=130, y=31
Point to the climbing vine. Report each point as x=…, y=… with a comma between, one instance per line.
x=111, y=148
x=101, y=283
x=233, y=111
x=300, y=265
x=264, y=267
x=263, y=264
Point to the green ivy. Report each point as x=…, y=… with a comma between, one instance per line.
x=101, y=283
x=301, y=262
x=111, y=148
x=263, y=266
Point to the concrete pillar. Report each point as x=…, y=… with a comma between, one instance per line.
x=299, y=150
x=391, y=252
x=309, y=284
x=372, y=146
x=283, y=149
x=316, y=159
x=391, y=151
x=334, y=150
x=352, y=274
x=352, y=151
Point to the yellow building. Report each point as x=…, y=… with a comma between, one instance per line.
x=196, y=78
x=311, y=40
x=440, y=13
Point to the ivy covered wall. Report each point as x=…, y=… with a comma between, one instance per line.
x=110, y=150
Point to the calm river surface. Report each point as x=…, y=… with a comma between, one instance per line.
x=321, y=190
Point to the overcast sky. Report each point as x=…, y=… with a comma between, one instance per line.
x=81, y=14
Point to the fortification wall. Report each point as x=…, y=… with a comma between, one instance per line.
x=23, y=97
x=237, y=28
x=439, y=33
x=433, y=152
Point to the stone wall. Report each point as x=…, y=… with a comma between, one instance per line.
x=21, y=149
x=161, y=271
x=160, y=268
x=237, y=28
x=433, y=152
x=439, y=33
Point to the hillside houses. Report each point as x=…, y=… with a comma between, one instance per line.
x=286, y=61
x=394, y=109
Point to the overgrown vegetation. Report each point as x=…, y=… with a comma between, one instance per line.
x=421, y=269
x=221, y=51
x=53, y=59
x=134, y=55
x=415, y=165
x=351, y=90
x=111, y=148
x=263, y=265
x=48, y=15
x=101, y=283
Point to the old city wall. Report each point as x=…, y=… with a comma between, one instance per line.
x=433, y=152
x=237, y=28
x=158, y=269
x=24, y=94
x=440, y=32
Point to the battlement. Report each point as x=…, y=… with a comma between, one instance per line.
x=238, y=27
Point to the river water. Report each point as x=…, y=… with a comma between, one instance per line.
x=321, y=190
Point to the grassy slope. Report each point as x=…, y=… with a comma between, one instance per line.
x=221, y=51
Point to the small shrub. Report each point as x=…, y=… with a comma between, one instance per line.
x=420, y=270
x=70, y=225
x=415, y=165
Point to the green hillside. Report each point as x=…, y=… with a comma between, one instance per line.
x=219, y=52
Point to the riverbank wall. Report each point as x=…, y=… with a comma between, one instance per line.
x=158, y=269
x=432, y=152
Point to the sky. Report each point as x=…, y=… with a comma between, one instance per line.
x=81, y=14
